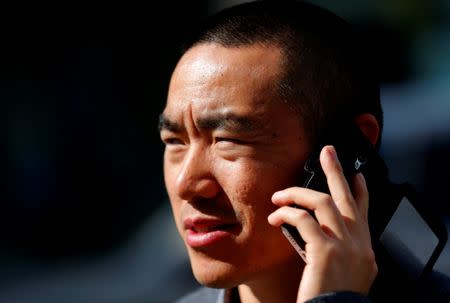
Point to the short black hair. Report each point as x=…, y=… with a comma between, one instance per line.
x=327, y=74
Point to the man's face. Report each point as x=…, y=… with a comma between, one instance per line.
x=231, y=142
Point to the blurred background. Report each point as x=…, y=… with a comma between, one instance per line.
x=83, y=211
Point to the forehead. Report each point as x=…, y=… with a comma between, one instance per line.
x=213, y=78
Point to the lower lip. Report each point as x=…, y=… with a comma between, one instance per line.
x=201, y=239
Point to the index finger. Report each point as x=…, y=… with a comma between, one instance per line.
x=337, y=183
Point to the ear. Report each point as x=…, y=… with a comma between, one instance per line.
x=369, y=126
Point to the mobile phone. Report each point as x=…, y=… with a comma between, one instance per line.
x=395, y=213
x=353, y=151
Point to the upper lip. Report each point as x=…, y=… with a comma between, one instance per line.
x=204, y=223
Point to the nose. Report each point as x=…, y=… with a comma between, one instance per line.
x=195, y=178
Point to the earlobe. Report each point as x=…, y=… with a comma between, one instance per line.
x=369, y=126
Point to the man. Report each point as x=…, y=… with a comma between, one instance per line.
x=248, y=102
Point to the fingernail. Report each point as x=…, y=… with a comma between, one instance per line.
x=272, y=220
x=277, y=195
x=332, y=152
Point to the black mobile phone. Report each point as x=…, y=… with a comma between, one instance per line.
x=396, y=215
x=353, y=151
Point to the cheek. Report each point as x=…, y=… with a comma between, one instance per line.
x=170, y=181
x=250, y=185
x=250, y=189
x=244, y=178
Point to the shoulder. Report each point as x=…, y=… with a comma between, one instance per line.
x=203, y=295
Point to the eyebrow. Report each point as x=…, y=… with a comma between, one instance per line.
x=166, y=124
x=225, y=121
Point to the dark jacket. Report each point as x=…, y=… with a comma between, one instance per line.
x=436, y=290
x=209, y=295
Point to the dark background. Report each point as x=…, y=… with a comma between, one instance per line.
x=83, y=212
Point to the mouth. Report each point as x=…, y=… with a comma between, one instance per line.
x=207, y=229
x=206, y=232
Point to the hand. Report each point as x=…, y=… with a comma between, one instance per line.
x=338, y=247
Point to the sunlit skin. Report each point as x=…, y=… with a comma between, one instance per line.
x=231, y=143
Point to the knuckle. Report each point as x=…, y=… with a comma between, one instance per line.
x=326, y=202
x=301, y=214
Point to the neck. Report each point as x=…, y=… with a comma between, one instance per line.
x=280, y=285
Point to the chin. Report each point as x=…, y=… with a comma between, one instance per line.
x=218, y=281
x=216, y=273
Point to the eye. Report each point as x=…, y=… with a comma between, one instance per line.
x=228, y=139
x=172, y=141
